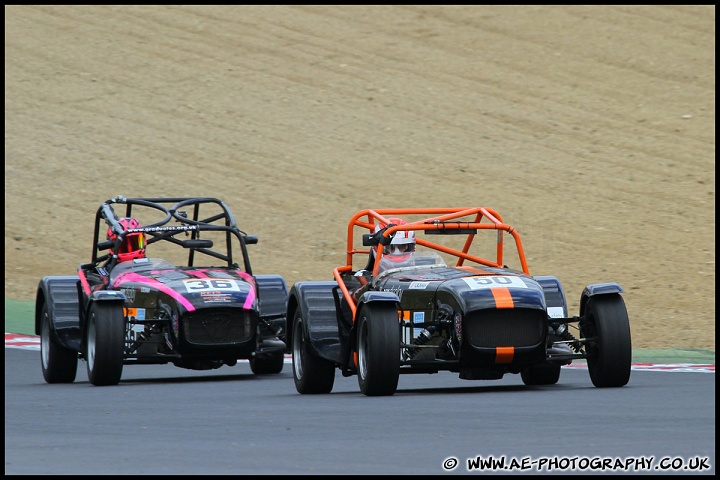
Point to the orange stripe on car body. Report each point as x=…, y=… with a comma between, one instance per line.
x=503, y=299
x=504, y=354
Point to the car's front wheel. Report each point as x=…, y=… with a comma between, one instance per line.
x=609, y=351
x=378, y=349
x=59, y=364
x=312, y=374
x=105, y=342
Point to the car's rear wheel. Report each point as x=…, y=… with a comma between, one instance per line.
x=59, y=364
x=378, y=349
x=105, y=342
x=311, y=373
x=545, y=374
x=609, y=352
x=270, y=363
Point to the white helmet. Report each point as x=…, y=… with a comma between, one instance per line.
x=400, y=251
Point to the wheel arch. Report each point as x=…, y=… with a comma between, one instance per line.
x=316, y=304
x=40, y=299
x=374, y=297
x=272, y=294
x=594, y=289
x=59, y=293
x=292, y=306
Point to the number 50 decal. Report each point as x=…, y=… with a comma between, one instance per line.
x=205, y=284
x=477, y=283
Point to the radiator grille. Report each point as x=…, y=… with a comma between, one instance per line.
x=505, y=328
x=218, y=326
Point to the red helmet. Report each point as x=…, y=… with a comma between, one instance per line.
x=400, y=251
x=133, y=245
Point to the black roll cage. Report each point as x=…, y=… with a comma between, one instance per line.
x=183, y=210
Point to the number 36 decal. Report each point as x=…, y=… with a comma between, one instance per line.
x=206, y=284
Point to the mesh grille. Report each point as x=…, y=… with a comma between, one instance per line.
x=505, y=327
x=218, y=326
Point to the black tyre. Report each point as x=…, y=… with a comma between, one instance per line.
x=545, y=374
x=59, y=364
x=312, y=374
x=378, y=349
x=610, y=353
x=105, y=343
x=271, y=363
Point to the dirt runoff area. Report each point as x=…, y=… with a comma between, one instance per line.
x=591, y=129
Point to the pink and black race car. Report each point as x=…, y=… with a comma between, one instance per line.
x=169, y=281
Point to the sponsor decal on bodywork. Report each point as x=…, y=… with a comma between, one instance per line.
x=396, y=290
x=458, y=326
x=129, y=293
x=134, y=277
x=418, y=317
x=136, y=313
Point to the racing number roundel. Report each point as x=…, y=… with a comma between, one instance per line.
x=197, y=285
x=478, y=283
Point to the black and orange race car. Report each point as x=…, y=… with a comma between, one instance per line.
x=420, y=294
x=169, y=281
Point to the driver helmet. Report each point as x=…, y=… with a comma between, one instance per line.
x=400, y=251
x=133, y=245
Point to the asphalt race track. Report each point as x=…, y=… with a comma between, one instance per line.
x=166, y=420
